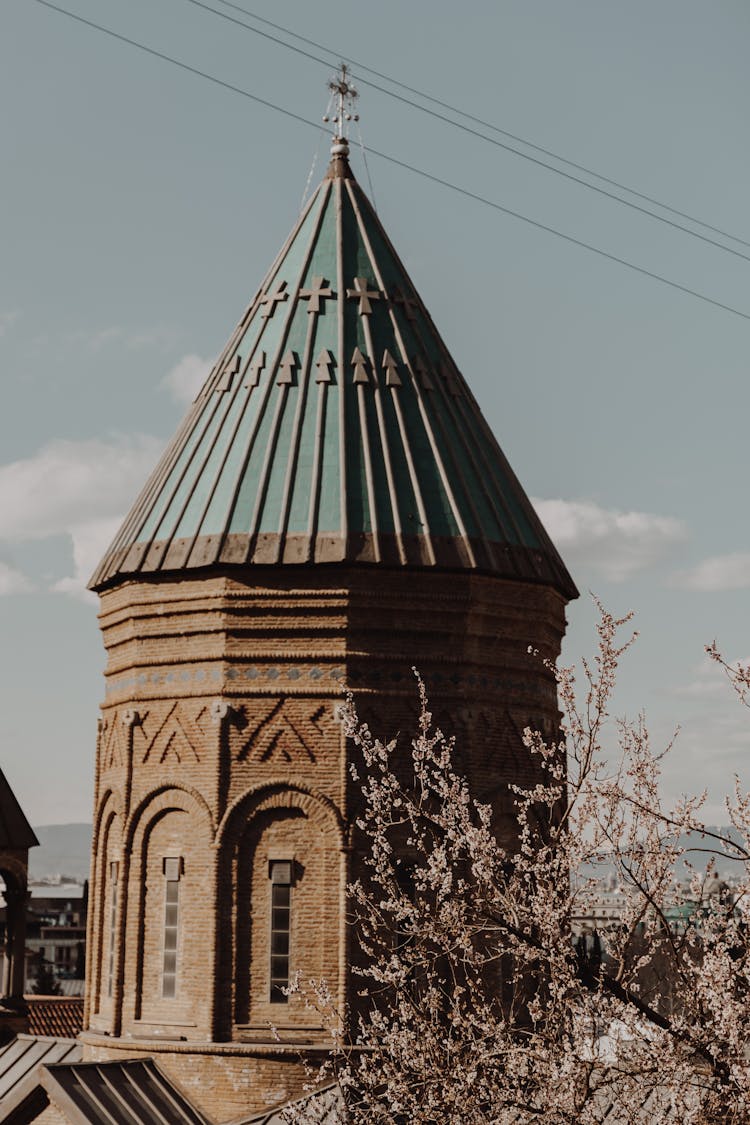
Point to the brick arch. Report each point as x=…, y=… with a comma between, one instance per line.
x=13, y=869
x=253, y=812
x=108, y=821
x=136, y=963
x=16, y=869
x=109, y=802
x=161, y=800
x=318, y=808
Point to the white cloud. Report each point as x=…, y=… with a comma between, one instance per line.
x=12, y=581
x=186, y=378
x=78, y=489
x=7, y=320
x=93, y=339
x=90, y=541
x=609, y=542
x=709, y=681
x=68, y=483
x=162, y=337
x=720, y=572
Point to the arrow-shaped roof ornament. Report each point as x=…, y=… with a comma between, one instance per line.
x=231, y=367
x=451, y=379
x=255, y=368
x=422, y=371
x=359, y=363
x=286, y=370
x=324, y=364
x=392, y=377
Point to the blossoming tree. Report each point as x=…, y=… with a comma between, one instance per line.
x=477, y=1005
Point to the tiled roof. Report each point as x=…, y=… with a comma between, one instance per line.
x=55, y=1015
x=335, y=428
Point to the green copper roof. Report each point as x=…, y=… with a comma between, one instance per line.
x=335, y=428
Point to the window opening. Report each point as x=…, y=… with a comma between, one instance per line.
x=172, y=872
x=280, y=873
x=113, y=874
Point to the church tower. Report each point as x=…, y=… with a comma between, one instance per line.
x=333, y=510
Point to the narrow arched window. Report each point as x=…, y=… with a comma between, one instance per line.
x=172, y=872
x=113, y=874
x=280, y=873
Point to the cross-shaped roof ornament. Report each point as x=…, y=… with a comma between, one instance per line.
x=320, y=288
x=409, y=304
x=270, y=300
x=364, y=294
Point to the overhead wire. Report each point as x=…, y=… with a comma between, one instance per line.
x=482, y=136
x=395, y=161
x=479, y=121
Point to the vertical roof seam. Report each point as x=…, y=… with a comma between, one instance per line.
x=343, y=365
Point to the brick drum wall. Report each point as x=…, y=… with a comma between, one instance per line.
x=219, y=749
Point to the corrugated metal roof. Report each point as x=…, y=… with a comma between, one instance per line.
x=131, y=1092
x=322, y=1106
x=20, y=1057
x=15, y=830
x=334, y=428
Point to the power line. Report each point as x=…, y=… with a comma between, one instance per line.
x=485, y=124
x=399, y=163
x=559, y=234
x=176, y=62
x=475, y=132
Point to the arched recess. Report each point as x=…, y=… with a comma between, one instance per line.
x=107, y=906
x=169, y=942
x=265, y=830
x=14, y=874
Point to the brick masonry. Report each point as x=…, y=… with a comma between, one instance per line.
x=52, y=1116
x=219, y=747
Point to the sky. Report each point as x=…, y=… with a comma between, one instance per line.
x=142, y=205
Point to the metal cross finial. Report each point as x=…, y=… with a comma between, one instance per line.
x=346, y=95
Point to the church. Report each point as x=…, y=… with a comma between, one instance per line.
x=333, y=511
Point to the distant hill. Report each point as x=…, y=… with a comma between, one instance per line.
x=64, y=849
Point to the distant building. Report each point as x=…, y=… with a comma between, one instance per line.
x=56, y=935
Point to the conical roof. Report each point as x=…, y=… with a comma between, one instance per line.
x=335, y=428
